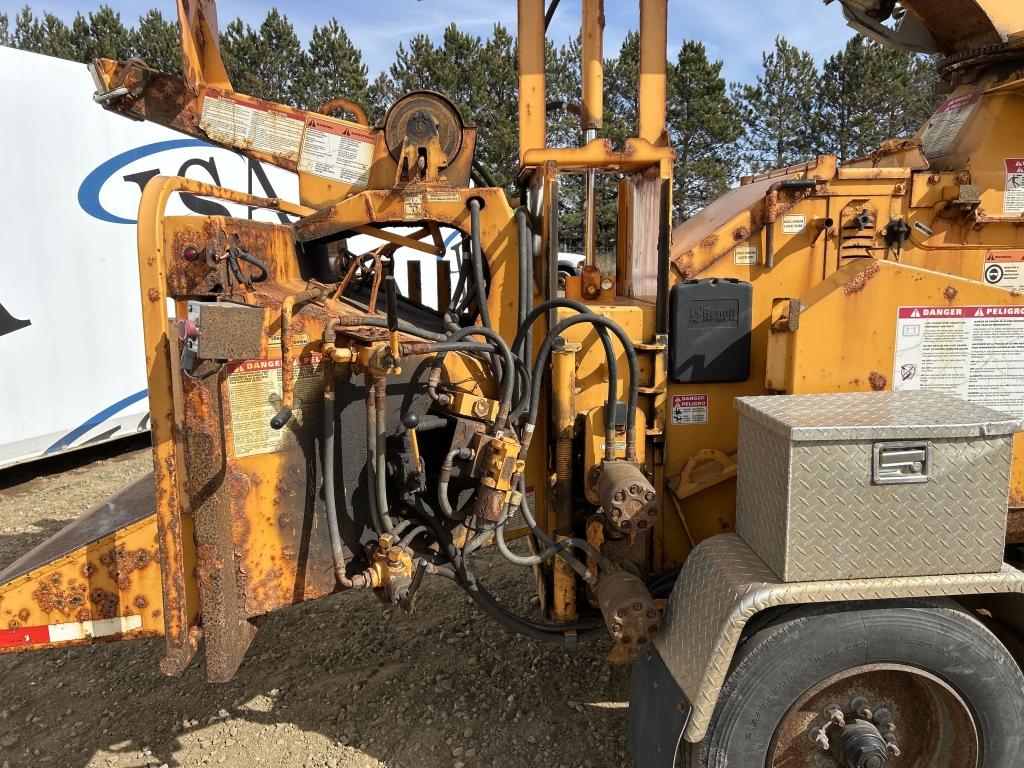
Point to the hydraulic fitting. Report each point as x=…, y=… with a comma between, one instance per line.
x=627, y=496
x=628, y=608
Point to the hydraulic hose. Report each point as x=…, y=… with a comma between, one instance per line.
x=478, y=261
x=380, y=468
x=634, y=376
x=524, y=333
x=507, y=380
x=330, y=500
x=549, y=633
x=445, y=476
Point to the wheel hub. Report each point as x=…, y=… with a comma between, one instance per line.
x=860, y=745
x=850, y=721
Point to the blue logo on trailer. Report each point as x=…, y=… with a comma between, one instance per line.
x=89, y=191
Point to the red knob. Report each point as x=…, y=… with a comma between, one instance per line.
x=187, y=330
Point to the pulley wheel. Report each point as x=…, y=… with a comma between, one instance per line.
x=407, y=119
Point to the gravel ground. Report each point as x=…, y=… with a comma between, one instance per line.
x=338, y=682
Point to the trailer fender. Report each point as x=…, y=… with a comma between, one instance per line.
x=722, y=586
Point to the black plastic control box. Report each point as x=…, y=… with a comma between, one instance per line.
x=709, y=331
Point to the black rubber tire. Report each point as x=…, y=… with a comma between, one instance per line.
x=777, y=665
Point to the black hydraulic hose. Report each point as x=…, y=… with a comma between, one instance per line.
x=549, y=633
x=478, y=261
x=380, y=469
x=525, y=259
x=455, y=303
x=382, y=522
x=330, y=500
x=634, y=375
x=609, y=352
x=508, y=380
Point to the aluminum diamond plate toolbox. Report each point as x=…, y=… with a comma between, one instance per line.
x=873, y=485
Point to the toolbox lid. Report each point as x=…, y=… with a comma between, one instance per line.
x=870, y=415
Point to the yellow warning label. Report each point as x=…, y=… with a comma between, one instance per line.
x=254, y=394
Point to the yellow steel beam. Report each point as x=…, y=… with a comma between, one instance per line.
x=532, y=110
x=593, y=64
x=653, y=52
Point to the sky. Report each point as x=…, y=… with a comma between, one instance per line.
x=735, y=31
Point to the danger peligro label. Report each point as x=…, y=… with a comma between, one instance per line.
x=973, y=353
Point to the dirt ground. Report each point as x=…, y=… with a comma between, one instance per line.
x=339, y=682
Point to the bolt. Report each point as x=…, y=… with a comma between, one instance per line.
x=893, y=749
x=638, y=606
x=620, y=495
x=835, y=715
x=821, y=739
x=883, y=717
x=634, y=489
x=480, y=408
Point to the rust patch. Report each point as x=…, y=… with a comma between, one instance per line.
x=121, y=563
x=141, y=602
x=153, y=294
x=950, y=293
x=51, y=597
x=860, y=282
x=23, y=614
x=105, y=602
x=710, y=241
x=13, y=624
x=877, y=381
x=88, y=570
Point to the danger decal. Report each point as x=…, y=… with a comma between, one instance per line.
x=971, y=352
x=254, y=394
x=689, y=409
x=336, y=150
x=239, y=122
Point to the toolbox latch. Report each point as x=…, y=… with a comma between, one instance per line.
x=897, y=462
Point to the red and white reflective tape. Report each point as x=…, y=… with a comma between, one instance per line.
x=72, y=630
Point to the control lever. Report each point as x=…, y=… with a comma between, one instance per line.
x=391, y=299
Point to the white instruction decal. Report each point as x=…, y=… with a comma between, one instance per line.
x=794, y=224
x=1005, y=269
x=1013, y=201
x=238, y=122
x=974, y=353
x=945, y=125
x=254, y=392
x=689, y=409
x=337, y=150
x=745, y=255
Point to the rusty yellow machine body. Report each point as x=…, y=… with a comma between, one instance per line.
x=314, y=431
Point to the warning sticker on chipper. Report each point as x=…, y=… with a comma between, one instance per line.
x=974, y=353
x=689, y=409
x=945, y=125
x=1004, y=269
x=1013, y=199
x=239, y=122
x=254, y=393
x=334, y=149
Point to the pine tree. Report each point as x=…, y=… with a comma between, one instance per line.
x=101, y=35
x=776, y=111
x=157, y=42
x=333, y=68
x=49, y=36
x=869, y=94
x=5, y=31
x=704, y=126
x=267, y=63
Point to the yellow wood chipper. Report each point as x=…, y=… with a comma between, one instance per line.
x=770, y=453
